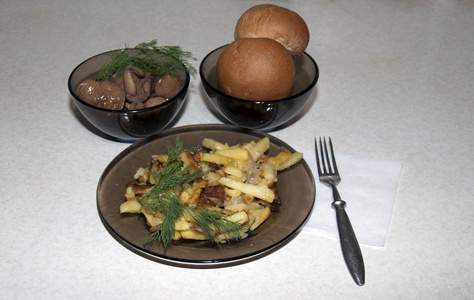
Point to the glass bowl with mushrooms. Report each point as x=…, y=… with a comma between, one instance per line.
x=131, y=93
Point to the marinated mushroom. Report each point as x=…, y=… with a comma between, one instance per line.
x=136, y=105
x=154, y=101
x=104, y=94
x=167, y=86
x=137, y=84
x=135, y=89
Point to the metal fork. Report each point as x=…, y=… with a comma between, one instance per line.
x=329, y=175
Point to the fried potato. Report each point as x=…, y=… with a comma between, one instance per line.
x=280, y=159
x=234, y=171
x=213, y=144
x=232, y=193
x=183, y=224
x=237, y=181
x=131, y=206
x=193, y=235
x=284, y=160
x=262, y=145
x=239, y=218
x=259, y=216
x=257, y=191
x=235, y=153
x=268, y=172
x=215, y=158
x=162, y=158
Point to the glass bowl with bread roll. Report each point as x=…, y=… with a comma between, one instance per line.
x=263, y=78
x=263, y=114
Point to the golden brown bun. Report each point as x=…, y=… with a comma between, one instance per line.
x=256, y=69
x=274, y=22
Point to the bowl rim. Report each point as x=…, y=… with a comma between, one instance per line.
x=218, y=91
x=169, y=101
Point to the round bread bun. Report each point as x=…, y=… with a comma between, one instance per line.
x=256, y=69
x=274, y=22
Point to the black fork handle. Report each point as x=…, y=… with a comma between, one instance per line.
x=349, y=245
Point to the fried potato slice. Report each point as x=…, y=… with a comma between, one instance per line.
x=213, y=144
x=130, y=206
x=257, y=191
x=193, y=235
x=284, y=160
x=215, y=158
x=259, y=215
x=239, y=218
x=235, y=153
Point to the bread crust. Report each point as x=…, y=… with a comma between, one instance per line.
x=256, y=69
x=274, y=22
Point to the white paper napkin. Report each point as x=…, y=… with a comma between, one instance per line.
x=368, y=186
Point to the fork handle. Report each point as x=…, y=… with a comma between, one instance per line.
x=349, y=245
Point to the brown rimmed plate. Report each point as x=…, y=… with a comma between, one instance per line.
x=296, y=188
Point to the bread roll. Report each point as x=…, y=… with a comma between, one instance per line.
x=256, y=69
x=274, y=22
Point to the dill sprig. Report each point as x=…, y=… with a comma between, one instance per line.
x=170, y=181
x=146, y=59
x=212, y=223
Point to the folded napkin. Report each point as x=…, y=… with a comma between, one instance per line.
x=368, y=186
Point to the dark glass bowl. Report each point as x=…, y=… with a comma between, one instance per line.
x=263, y=115
x=125, y=125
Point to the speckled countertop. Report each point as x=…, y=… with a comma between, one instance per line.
x=396, y=83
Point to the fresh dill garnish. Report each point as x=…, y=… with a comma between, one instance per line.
x=145, y=59
x=170, y=181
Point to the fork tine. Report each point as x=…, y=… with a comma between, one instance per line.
x=333, y=157
x=318, y=162
x=327, y=160
x=325, y=157
x=326, y=154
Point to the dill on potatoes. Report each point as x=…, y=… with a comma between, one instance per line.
x=170, y=181
x=145, y=58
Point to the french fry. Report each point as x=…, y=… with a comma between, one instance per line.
x=234, y=171
x=151, y=177
x=280, y=159
x=182, y=224
x=240, y=217
x=237, y=207
x=235, y=153
x=259, y=216
x=191, y=195
x=232, y=193
x=213, y=144
x=268, y=172
x=130, y=206
x=209, y=143
x=189, y=161
x=215, y=158
x=294, y=158
x=212, y=178
x=162, y=158
x=262, y=145
x=193, y=235
x=258, y=191
x=152, y=220
x=177, y=235
x=129, y=194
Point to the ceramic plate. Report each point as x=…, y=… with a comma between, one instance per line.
x=296, y=188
